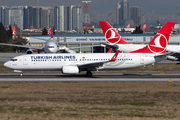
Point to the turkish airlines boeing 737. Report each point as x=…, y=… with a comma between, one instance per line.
x=75, y=63
x=115, y=40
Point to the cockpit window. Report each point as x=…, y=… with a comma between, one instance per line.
x=13, y=60
x=50, y=46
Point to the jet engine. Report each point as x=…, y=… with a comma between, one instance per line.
x=29, y=51
x=173, y=58
x=70, y=70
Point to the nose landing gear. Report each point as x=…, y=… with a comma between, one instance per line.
x=88, y=73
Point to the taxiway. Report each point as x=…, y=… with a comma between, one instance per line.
x=97, y=77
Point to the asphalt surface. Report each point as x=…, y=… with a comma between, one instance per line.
x=96, y=77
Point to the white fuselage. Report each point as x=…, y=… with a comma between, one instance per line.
x=81, y=61
x=132, y=47
x=126, y=48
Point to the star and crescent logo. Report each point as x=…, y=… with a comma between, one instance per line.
x=112, y=36
x=159, y=44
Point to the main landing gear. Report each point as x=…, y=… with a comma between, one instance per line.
x=21, y=74
x=88, y=73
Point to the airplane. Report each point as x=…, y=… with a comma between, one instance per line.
x=128, y=29
x=155, y=51
x=114, y=40
x=51, y=46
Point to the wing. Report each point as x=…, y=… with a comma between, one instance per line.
x=114, y=46
x=24, y=46
x=174, y=56
x=83, y=46
x=68, y=49
x=54, y=38
x=93, y=66
x=43, y=39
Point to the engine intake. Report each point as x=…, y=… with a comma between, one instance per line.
x=29, y=51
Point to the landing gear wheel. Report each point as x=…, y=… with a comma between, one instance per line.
x=89, y=74
x=21, y=74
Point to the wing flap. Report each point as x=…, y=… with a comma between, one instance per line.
x=24, y=46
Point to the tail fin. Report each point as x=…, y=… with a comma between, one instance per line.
x=159, y=42
x=14, y=32
x=52, y=34
x=50, y=31
x=129, y=25
x=112, y=37
x=144, y=27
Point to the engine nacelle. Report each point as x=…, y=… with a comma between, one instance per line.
x=70, y=70
x=29, y=51
x=172, y=58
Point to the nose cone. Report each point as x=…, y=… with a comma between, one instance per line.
x=51, y=47
x=54, y=50
x=7, y=64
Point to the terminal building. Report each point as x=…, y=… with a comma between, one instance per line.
x=95, y=40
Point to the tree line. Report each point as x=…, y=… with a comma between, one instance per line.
x=6, y=37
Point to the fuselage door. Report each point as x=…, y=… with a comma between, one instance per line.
x=25, y=60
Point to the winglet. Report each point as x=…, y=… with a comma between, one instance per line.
x=114, y=57
x=110, y=50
